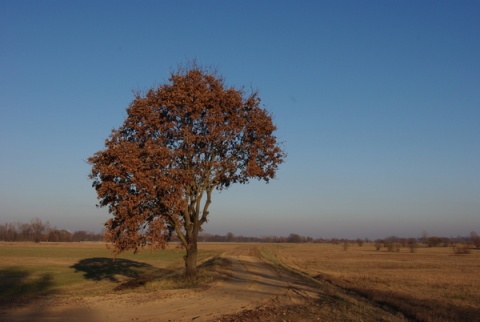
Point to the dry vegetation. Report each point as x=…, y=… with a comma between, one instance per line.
x=357, y=282
x=432, y=284
x=32, y=270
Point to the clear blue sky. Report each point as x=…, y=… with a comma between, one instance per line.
x=378, y=103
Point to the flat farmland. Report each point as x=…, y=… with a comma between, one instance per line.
x=238, y=282
x=431, y=284
x=31, y=269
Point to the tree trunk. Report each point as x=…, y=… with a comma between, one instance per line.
x=191, y=261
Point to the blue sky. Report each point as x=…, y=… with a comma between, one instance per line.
x=377, y=102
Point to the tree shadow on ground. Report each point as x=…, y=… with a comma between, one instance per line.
x=101, y=268
x=116, y=270
x=215, y=268
x=17, y=286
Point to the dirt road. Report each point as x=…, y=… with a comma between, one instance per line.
x=254, y=290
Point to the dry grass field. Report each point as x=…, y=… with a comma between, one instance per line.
x=29, y=270
x=432, y=284
x=239, y=282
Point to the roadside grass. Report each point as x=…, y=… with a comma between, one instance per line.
x=432, y=284
x=32, y=270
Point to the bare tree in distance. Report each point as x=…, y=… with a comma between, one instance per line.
x=475, y=238
x=178, y=143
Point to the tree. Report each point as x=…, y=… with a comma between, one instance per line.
x=475, y=239
x=178, y=143
x=230, y=237
x=294, y=238
x=39, y=228
x=433, y=241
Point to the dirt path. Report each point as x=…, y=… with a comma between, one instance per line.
x=252, y=284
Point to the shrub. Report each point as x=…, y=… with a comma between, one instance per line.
x=475, y=239
x=462, y=249
x=392, y=246
x=412, y=245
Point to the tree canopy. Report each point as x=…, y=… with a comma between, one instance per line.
x=178, y=143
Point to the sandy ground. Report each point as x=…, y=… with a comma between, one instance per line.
x=252, y=284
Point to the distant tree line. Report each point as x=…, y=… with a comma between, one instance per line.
x=292, y=238
x=460, y=244
x=392, y=243
x=230, y=237
x=38, y=231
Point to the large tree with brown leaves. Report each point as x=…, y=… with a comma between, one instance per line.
x=179, y=142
